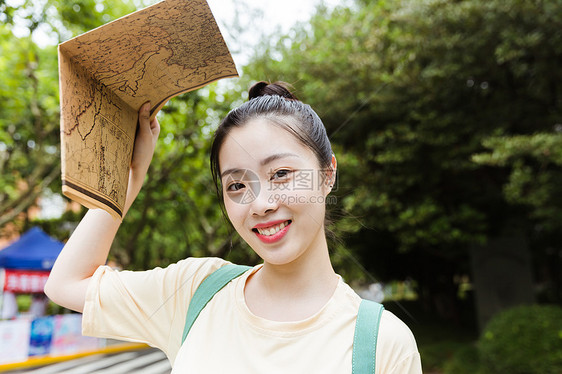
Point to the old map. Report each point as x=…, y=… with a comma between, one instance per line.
x=106, y=74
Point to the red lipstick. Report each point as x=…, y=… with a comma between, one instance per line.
x=269, y=224
x=275, y=237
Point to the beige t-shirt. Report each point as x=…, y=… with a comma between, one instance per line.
x=150, y=307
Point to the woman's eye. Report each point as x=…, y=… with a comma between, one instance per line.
x=281, y=174
x=235, y=187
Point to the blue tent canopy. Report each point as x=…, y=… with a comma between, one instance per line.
x=34, y=250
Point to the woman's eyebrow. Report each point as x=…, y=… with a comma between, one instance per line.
x=231, y=171
x=263, y=162
x=277, y=156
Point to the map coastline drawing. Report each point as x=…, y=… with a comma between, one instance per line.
x=154, y=54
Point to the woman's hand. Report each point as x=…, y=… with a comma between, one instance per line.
x=143, y=151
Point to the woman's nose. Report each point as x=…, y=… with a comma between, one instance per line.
x=265, y=202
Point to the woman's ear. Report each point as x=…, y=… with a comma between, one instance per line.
x=331, y=174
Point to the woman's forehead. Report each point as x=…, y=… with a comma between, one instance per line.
x=260, y=142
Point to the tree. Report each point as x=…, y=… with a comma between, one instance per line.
x=28, y=123
x=29, y=99
x=536, y=175
x=411, y=90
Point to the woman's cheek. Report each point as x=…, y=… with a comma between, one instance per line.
x=235, y=213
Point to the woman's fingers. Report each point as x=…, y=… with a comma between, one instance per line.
x=144, y=118
x=143, y=151
x=154, y=130
x=147, y=126
x=145, y=141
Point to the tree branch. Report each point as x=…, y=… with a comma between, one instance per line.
x=27, y=199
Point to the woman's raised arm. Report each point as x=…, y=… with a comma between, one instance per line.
x=89, y=245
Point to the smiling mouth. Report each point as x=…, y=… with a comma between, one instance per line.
x=268, y=231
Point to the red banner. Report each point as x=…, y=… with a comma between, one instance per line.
x=25, y=281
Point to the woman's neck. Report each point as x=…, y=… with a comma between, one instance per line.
x=292, y=291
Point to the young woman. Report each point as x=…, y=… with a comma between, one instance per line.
x=274, y=167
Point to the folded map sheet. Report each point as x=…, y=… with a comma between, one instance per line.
x=106, y=74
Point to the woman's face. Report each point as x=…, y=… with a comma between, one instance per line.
x=274, y=192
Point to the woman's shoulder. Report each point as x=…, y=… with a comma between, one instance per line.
x=196, y=269
x=200, y=263
x=393, y=328
x=185, y=274
x=397, y=346
x=397, y=351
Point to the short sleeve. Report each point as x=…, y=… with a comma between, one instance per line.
x=397, y=351
x=410, y=364
x=144, y=306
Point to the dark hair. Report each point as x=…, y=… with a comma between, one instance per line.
x=276, y=103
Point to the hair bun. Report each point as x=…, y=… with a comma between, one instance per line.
x=278, y=88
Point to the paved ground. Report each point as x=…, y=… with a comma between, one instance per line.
x=143, y=361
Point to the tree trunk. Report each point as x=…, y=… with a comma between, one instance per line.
x=502, y=275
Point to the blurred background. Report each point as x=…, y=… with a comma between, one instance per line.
x=445, y=117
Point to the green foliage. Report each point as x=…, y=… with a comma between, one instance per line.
x=437, y=340
x=523, y=340
x=29, y=98
x=78, y=16
x=411, y=91
x=536, y=172
x=464, y=361
x=29, y=138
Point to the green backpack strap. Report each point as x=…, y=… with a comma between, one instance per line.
x=207, y=289
x=366, y=326
x=365, y=339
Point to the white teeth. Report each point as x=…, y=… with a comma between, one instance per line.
x=274, y=229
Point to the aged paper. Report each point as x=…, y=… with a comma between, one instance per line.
x=106, y=74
